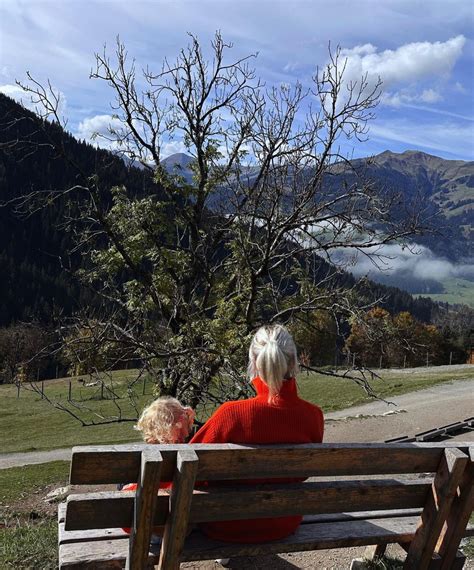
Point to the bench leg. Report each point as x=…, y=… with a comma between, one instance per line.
x=375, y=551
x=437, y=509
x=458, y=519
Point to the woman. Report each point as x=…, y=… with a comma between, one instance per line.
x=275, y=415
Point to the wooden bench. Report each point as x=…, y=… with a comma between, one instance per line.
x=418, y=495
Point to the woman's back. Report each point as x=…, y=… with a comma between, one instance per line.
x=285, y=419
x=275, y=415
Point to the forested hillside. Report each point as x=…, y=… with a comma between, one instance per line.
x=33, y=254
x=33, y=249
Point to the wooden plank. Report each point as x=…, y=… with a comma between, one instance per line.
x=436, y=510
x=233, y=503
x=458, y=519
x=61, y=512
x=115, y=509
x=358, y=515
x=67, y=537
x=99, y=510
x=375, y=551
x=74, y=536
x=120, y=464
x=144, y=511
x=99, y=555
x=307, y=537
x=112, y=554
x=180, y=505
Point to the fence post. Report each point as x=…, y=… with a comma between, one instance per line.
x=353, y=359
x=450, y=358
x=380, y=363
x=404, y=360
x=18, y=389
x=69, y=394
x=102, y=391
x=144, y=385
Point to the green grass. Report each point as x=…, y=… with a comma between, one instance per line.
x=17, y=482
x=29, y=423
x=29, y=545
x=28, y=542
x=384, y=563
x=456, y=291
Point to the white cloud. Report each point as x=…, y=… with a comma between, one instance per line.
x=459, y=87
x=172, y=147
x=430, y=96
x=94, y=129
x=408, y=63
x=423, y=264
x=404, y=68
x=28, y=101
x=405, y=97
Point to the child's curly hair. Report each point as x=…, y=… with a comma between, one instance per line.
x=163, y=419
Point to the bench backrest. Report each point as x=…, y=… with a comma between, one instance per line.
x=185, y=465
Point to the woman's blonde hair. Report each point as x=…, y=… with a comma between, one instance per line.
x=160, y=421
x=272, y=356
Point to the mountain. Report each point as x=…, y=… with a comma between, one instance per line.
x=33, y=281
x=444, y=267
x=443, y=188
x=446, y=186
x=179, y=164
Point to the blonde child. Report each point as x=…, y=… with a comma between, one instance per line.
x=165, y=420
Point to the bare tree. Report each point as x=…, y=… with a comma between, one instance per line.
x=254, y=236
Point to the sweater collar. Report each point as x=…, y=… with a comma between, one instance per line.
x=288, y=389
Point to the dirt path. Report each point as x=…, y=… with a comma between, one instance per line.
x=412, y=413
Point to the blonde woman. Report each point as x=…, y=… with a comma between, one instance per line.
x=275, y=415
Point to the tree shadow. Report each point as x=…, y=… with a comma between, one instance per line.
x=272, y=561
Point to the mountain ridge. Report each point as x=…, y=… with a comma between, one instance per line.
x=30, y=249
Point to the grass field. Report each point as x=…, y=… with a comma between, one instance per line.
x=456, y=291
x=28, y=527
x=29, y=423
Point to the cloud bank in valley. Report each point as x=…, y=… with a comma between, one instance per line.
x=398, y=261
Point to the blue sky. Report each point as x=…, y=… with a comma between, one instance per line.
x=423, y=51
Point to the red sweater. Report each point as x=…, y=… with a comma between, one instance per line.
x=288, y=419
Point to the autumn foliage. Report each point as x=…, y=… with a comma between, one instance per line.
x=380, y=339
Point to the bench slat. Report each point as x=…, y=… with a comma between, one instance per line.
x=95, y=465
x=111, y=553
x=76, y=536
x=115, y=509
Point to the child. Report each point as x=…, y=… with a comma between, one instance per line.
x=165, y=420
